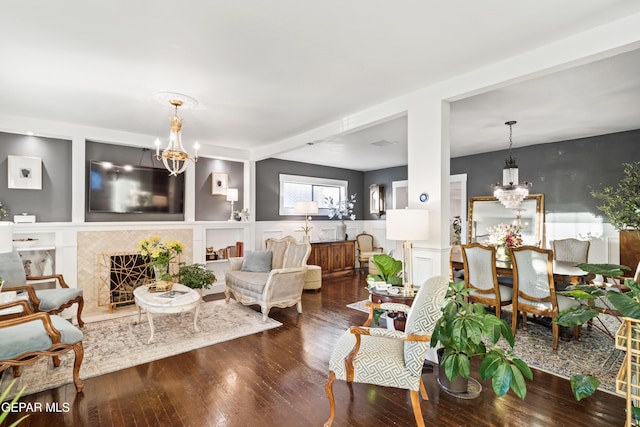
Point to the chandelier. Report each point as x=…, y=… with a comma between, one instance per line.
x=510, y=193
x=174, y=157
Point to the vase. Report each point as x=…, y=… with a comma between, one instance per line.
x=502, y=253
x=160, y=270
x=341, y=230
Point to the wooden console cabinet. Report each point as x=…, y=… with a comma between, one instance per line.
x=334, y=258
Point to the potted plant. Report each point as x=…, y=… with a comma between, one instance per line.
x=622, y=205
x=626, y=303
x=195, y=276
x=467, y=330
x=389, y=270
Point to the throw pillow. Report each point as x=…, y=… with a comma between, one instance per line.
x=257, y=262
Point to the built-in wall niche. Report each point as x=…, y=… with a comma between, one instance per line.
x=227, y=239
x=38, y=254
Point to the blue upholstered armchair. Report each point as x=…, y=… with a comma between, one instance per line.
x=32, y=336
x=52, y=301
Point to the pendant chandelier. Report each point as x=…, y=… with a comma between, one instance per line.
x=510, y=193
x=174, y=157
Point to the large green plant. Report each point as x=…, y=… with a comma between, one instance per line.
x=627, y=304
x=622, y=203
x=389, y=269
x=467, y=330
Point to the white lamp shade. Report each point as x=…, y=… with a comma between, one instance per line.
x=407, y=224
x=305, y=207
x=232, y=194
x=6, y=236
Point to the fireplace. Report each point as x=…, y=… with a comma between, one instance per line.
x=118, y=275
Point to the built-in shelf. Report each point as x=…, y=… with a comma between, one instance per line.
x=216, y=261
x=36, y=248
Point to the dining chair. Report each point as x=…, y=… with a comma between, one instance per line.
x=534, y=289
x=366, y=249
x=571, y=250
x=481, y=278
x=389, y=358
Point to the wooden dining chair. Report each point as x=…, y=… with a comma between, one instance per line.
x=534, y=289
x=481, y=278
x=571, y=250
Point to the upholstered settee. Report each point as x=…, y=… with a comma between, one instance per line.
x=273, y=278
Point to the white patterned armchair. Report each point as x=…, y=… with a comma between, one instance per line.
x=274, y=278
x=390, y=358
x=571, y=250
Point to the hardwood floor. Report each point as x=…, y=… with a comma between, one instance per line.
x=277, y=377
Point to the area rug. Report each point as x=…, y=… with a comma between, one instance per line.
x=112, y=345
x=594, y=354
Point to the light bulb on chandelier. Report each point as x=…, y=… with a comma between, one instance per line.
x=510, y=193
x=174, y=157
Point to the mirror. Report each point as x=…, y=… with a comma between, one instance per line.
x=487, y=211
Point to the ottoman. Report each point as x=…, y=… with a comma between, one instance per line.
x=313, y=278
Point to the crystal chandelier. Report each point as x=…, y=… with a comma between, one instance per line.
x=174, y=157
x=510, y=193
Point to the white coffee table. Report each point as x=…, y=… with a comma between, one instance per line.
x=158, y=302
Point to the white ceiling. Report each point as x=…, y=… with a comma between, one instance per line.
x=263, y=71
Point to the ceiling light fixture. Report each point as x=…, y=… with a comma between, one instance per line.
x=174, y=157
x=510, y=193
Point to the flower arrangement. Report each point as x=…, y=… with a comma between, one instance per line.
x=3, y=211
x=158, y=252
x=505, y=235
x=343, y=209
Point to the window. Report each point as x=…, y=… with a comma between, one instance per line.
x=296, y=188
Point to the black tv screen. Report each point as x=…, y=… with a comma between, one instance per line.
x=134, y=189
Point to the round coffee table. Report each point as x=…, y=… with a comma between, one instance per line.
x=179, y=299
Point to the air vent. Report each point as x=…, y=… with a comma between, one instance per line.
x=384, y=143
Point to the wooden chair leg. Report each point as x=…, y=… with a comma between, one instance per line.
x=78, y=349
x=498, y=310
x=524, y=320
x=56, y=361
x=417, y=412
x=80, y=307
x=554, y=330
x=423, y=390
x=328, y=388
x=514, y=322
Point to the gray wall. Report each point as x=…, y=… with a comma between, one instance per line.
x=268, y=185
x=565, y=172
x=53, y=202
x=216, y=208
x=382, y=177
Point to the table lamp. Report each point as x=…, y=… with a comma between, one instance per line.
x=306, y=208
x=232, y=196
x=407, y=225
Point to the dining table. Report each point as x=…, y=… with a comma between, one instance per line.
x=564, y=273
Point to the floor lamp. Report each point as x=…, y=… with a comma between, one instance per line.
x=306, y=208
x=407, y=225
x=232, y=196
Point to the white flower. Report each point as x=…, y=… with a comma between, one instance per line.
x=342, y=209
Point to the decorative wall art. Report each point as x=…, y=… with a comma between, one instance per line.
x=24, y=172
x=219, y=183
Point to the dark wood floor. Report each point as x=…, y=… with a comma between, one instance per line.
x=276, y=378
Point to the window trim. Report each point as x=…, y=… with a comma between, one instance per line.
x=311, y=180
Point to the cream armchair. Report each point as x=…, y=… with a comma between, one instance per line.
x=274, y=278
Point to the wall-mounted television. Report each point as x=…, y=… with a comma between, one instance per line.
x=134, y=189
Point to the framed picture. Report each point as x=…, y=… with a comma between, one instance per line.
x=219, y=183
x=24, y=172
